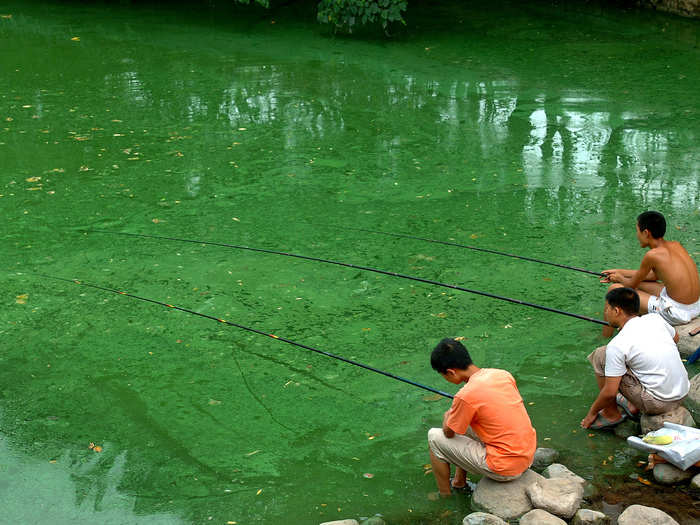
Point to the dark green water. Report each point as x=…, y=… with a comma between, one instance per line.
x=522, y=129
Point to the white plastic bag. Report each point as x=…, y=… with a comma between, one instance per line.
x=682, y=453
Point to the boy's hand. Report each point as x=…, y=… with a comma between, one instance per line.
x=611, y=276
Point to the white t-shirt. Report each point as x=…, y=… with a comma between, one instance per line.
x=645, y=346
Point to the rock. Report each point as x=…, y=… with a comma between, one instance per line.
x=544, y=457
x=557, y=471
x=679, y=415
x=507, y=500
x=641, y=515
x=695, y=484
x=590, y=517
x=560, y=496
x=670, y=475
x=374, y=520
x=540, y=517
x=688, y=344
x=482, y=518
x=692, y=402
x=629, y=427
x=341, y=522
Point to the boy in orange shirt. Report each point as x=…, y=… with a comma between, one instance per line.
x=501, y=441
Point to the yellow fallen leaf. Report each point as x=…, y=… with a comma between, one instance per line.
x=432, y=397
x=76, y=39
x=473, y=236
x=6, y=17
x=22, y=299
x=252, y=453
x=33, y=179
x=258, y=492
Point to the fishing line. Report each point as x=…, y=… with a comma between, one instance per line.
x=255, y=331
x=365, y=268
x=475, y=248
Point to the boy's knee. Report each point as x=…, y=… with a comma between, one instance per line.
x=434, y=434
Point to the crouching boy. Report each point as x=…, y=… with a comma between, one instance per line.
x=640, y=369
x=486, y=431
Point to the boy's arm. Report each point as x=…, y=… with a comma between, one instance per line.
x=445, y=429
x=632, y=278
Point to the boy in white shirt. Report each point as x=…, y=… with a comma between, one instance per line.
x=641, y=362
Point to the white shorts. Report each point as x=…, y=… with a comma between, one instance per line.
x=673, y=312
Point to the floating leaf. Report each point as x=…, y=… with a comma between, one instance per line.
x=76, y=39
x=22, y=299
x=368, y=475
x=252, y=453
x=432, y=397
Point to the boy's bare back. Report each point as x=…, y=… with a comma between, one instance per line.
x=673, y=265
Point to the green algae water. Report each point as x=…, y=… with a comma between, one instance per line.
x=534, y=130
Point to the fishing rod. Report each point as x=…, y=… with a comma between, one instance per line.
x=475, y=248
x=253, y=330
x=364, y=268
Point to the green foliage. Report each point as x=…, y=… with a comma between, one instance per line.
x=346, y=14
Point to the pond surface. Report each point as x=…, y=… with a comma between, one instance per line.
x=514, y=128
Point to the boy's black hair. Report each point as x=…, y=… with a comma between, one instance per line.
x=449, y=353
x=652, y=221
x=626, y=299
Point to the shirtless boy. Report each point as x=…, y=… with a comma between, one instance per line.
x=677, y=296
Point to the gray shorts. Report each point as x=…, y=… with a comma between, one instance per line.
x=631, y=388
x=465, y=451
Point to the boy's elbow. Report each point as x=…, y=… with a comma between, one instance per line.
x=449, y=433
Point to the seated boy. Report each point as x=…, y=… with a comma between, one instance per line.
x=677, y=297
x=641, y=362
x=501, y=442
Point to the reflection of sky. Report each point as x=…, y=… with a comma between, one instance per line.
x=572, y=137
x=45, y=492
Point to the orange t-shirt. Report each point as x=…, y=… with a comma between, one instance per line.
x=491, y=404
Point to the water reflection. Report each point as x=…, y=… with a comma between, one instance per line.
x=70, y=490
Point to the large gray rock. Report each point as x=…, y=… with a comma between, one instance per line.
x=540, y=517
x=482, y=518
x=670, y=475
x=544, y=457
x=560, y=496
x=507, y=500
x=590, y=517
x=692, y=402
x=557, y=470
x=687, y=344
x=641, y=515
x=679, y=415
